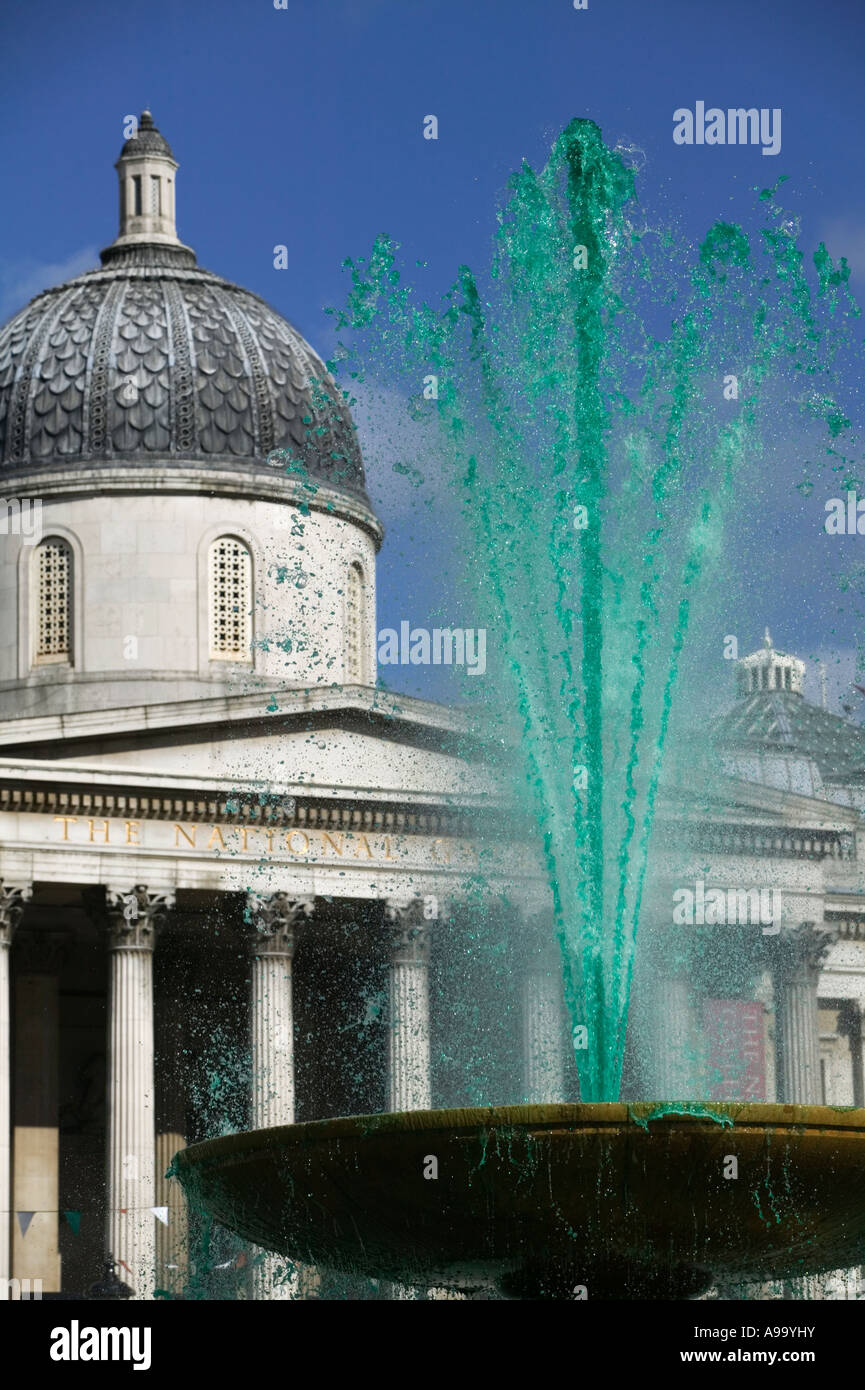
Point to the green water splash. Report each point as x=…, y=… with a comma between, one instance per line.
x=580, y=422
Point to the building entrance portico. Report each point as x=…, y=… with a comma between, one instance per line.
x=235, y=989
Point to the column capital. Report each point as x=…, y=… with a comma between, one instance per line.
x=135, y=917
x=13, y=899
x=274, y=918
x=409, y=931
x=803, y=949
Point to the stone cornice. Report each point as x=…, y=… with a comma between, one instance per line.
x=226, y=478
x=733, y=800
x=767, y=841
x=386, y=713
x=371, y=814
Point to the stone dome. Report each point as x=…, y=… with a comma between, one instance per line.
x=146, y=137
x=151, y=358
x=195, y=520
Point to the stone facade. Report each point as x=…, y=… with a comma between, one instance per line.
x=141, y=622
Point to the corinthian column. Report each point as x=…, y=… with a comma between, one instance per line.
x=798, y=1026
x=274, y=921
x=408, y=1081
x=802, y=952
x=12, y=902
x=134, y=919
x=409, y=1031
x=544, y=1031
x=675, y=1050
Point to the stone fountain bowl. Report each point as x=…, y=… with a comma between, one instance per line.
x=619, y=1201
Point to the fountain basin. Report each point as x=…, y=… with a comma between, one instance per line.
x=626, y=1201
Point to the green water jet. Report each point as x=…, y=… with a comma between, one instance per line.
x=597, y=464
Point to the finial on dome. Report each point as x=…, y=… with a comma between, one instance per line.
x=767, y=640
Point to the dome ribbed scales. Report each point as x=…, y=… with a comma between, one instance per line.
x=152, y=358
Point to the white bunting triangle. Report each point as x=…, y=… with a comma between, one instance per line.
x=161, y=1214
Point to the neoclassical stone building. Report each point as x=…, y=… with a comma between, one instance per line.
x=765, y=1006
x=239, y=883
x=198, y=775
x=783, y=818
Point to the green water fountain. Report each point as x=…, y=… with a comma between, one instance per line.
x=583, y=432
x=560, y=1201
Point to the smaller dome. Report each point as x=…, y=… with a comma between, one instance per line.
x=147, y=140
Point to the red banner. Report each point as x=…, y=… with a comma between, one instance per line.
x=737, y=1049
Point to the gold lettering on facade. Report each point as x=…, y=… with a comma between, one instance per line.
x=316, y=845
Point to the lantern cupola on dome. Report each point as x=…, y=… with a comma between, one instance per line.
x=146, y=171
x=770, y=670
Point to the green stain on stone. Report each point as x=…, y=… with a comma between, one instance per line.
x=643, y=1115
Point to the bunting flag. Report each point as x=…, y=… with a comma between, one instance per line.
x=74, y=1220
x=161, y=1214
x=24, y=1219
x=69, y=1212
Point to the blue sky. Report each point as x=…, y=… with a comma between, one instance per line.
x=304, y=127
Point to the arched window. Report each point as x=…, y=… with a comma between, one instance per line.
x=354, y=623
x=230, y=600
x=53, y=608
